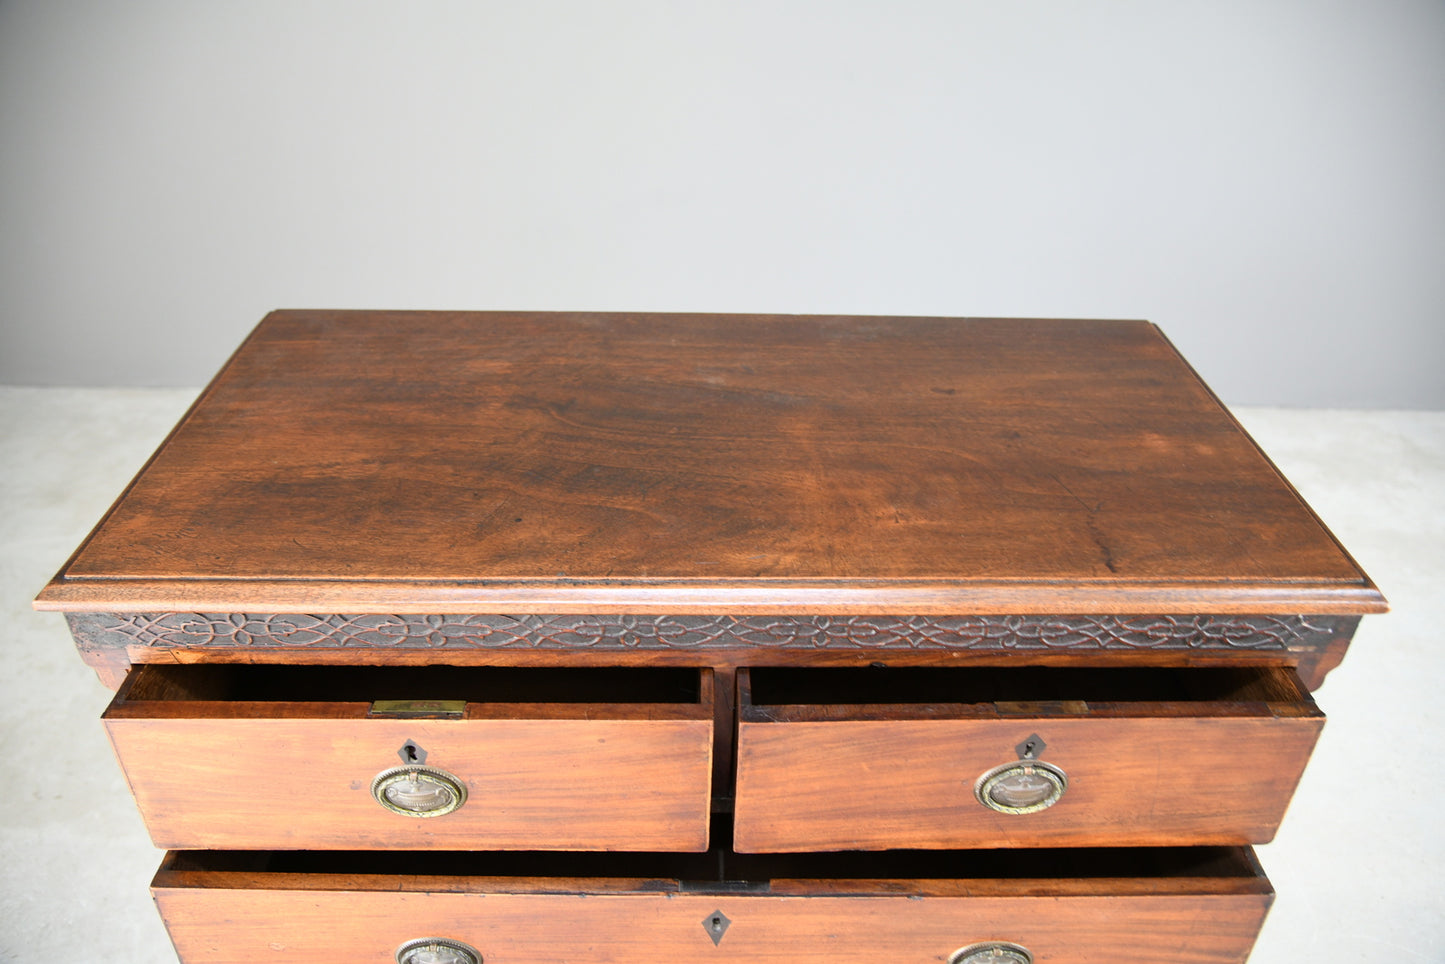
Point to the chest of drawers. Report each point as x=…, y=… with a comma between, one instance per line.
x=442, y=638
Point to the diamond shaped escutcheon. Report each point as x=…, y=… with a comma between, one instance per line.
x=716, y=925
x=1031, y=748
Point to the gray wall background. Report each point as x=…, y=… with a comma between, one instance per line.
x=1263, y=178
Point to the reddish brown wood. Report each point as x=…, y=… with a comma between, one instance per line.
x=708, y=463
x=1317, y=662
x=239, y=919
x=217, y=774
x=917, y=474
x=861, y=777
x=110, y=668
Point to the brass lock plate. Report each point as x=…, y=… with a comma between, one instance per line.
x=417, y=709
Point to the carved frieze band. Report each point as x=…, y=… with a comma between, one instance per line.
x=622, y=633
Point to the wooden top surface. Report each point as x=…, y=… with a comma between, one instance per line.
x=588, y=463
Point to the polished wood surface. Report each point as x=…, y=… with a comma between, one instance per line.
x=239, y=918
x=1215, y=770
x=229, y=773
x=218, y=927
x=497, y=462
x=773, y=584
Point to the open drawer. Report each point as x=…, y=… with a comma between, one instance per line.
x=1182, y=906
x=882, y=758
x=332, y=757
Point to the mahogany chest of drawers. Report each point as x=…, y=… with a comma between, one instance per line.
x=446, y=638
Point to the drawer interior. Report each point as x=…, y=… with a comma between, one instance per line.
x=774, y=693
x=258, y=683
x=718, y=870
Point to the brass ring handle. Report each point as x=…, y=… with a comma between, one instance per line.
x=418, y=791
x=437, y=950
x=1026, y=786
x=991, y=952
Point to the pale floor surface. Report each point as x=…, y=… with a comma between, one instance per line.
x=1356, y=864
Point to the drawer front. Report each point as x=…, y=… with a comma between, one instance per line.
x=1102, y=773
x=292, y=919
x=215, y=774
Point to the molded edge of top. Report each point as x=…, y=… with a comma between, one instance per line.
x=682, y=597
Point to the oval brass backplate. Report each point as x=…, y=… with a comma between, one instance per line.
x=437, y=950
x=991, y=952
x=1026, y=786
x=418, y=791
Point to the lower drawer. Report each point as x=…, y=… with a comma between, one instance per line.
x=1185, y=905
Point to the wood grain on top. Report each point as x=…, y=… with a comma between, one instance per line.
x=571, y=462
